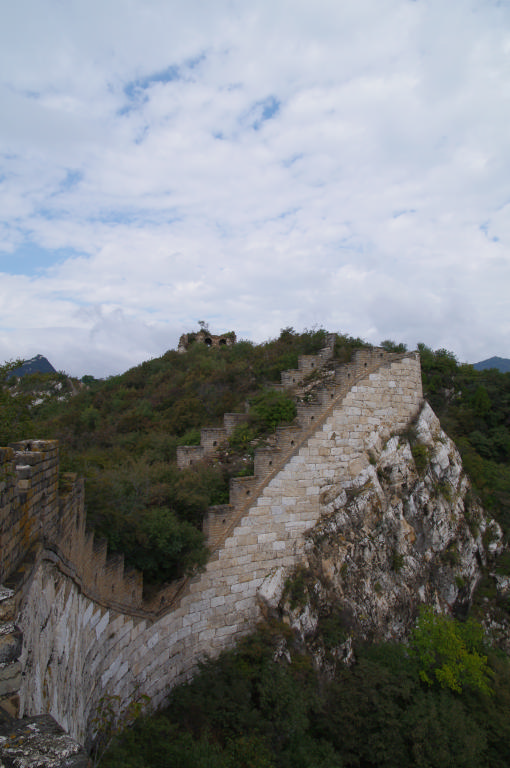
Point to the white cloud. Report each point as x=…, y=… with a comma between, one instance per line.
x=258, y=166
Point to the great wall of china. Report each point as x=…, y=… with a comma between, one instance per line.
x=74, y=623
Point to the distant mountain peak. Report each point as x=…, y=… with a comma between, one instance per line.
x=37, y=364
x=501, y=363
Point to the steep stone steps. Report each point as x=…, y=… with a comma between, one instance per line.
x=212, y=438
x=84, y=559
x=78, y=647
x=244, y=491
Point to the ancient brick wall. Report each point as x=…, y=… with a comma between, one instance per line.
x=209, y=339
x=80, y=642
x=211, y=439
x=40, y=523
x=28, y=498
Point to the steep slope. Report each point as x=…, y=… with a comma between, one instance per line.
x=37, y=364
x=76, y=648
x=404, y=531
x=500, y=363
x=361, y=511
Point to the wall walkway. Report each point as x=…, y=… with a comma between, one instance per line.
x=85, y=627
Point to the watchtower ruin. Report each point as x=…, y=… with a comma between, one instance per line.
x=204, y=337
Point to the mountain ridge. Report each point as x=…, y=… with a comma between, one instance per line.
x=502, y=364
x=36, y=364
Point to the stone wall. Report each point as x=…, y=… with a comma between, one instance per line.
x=28, y=498
x=84, y=626
x=42, y=523
x=204, y=337
x=36, y=513
x=211, y=439
x=80, y=641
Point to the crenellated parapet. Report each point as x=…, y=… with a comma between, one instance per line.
x=42, y=518
x=40, y=511
x=28, y=498
x=86, y=628
x=211, y=440
x=287, y=439
x=208, y=339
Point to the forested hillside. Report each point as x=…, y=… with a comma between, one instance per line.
x=256, y=707
x=444, y=700
x=474, y=409
x=122, y=433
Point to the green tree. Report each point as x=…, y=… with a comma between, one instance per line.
x=481, y=401
x=450, y=652
x=392, y=346
x=90, y=417
x=165, y=545
x=270, y=408
x=15, y=420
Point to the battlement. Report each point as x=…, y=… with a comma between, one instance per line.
x=28, y=498
x=204, y=337
x=211, y=440
x=76, y=623
x=35, y=511
x=288, y=438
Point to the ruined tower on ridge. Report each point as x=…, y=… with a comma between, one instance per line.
x=203, y=336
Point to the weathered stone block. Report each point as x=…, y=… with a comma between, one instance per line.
x=11, y=640
x=271, y=533
x=10, y=678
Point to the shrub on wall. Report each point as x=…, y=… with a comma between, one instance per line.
x=164, y=547
x=270, y=408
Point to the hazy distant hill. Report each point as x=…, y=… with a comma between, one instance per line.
x=501, y=363
x=37, y=364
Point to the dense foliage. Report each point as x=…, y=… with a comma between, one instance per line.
x=15, y=417
x=248, y=711
x=442, y=701
x=450, y=652
x=122, y=434
x=474, y=408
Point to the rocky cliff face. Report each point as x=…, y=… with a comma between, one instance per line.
x=405, y=531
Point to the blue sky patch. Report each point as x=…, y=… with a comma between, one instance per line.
x=262, y=111
x=30, y=259
x=403, y=212
x=135, y=90
x=72, y=179
x=138, y=217
x=286, y=214
x=485, y=229
x=289, y=162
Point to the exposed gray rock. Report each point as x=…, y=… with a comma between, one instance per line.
x=406, y=530
x=38, y=742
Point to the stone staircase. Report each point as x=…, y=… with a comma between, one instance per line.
x=317, y=395
x=88, y=629
x=212, y=438
x=318, y=385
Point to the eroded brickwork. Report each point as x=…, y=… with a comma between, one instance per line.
x=204, y=337
x=82, y=639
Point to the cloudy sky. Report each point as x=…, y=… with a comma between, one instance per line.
x=256, y=165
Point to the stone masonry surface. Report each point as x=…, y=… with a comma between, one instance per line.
x=79, y=639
